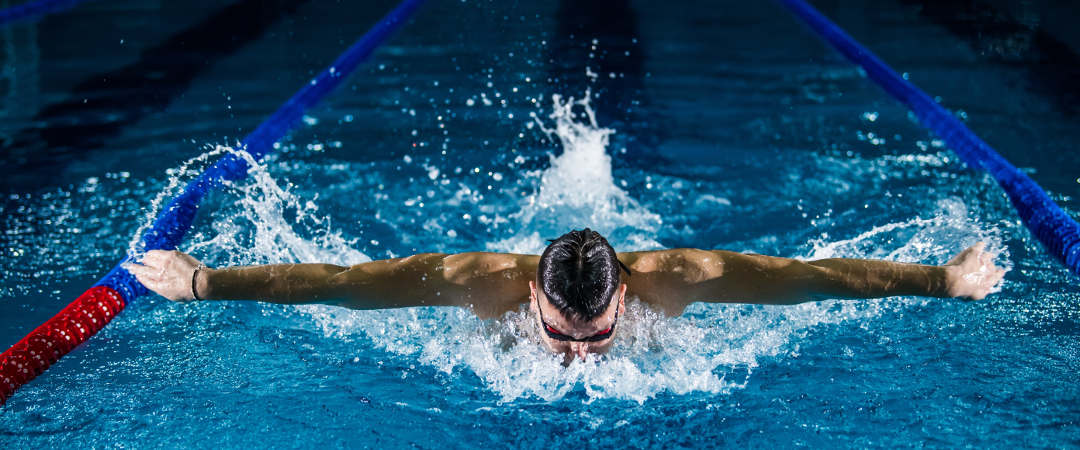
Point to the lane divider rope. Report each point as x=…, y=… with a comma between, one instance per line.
x=92, y=310
x=1051, y=225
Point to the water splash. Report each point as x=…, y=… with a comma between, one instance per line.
x=270, y=224
x=178, y=177
x=264, y=224
x=935, y=239
x=578, y=189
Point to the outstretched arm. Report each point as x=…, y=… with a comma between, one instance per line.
x=675, y=278
x=489, y=283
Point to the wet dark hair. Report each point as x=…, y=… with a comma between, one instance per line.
x=579, y=273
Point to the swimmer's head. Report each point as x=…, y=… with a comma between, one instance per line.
x=577, y=279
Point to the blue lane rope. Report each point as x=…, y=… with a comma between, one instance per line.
x=175, y=219
x=33, y=9
x=1047, y=221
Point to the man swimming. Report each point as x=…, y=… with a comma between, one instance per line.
x=576, y=289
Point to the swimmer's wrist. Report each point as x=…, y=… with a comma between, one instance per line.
x=201, y=285
x=950, y=276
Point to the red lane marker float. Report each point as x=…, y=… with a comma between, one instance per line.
x=84, y=317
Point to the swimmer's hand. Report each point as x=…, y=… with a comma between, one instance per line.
x=971, y=274
x=168, y=273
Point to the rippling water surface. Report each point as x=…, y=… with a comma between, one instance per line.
x=739, y=132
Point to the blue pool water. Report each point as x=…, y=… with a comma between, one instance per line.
x=721, y=125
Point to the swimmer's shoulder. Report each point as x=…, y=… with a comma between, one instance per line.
x=689, y=264
x=470, y=265
x=495, y=282
x=668, y=279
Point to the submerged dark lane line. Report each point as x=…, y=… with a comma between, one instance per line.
x=104, y=104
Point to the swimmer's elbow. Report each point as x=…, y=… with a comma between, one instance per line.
x=805, y=282
x=791, y=282
x=356, y=287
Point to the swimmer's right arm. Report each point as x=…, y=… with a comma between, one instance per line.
x=489, y=283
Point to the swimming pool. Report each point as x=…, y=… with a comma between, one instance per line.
x=740, y=131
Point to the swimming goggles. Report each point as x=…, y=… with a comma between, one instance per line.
x=556, y=335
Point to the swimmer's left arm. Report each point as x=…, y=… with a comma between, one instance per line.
x=182, y=278
x=727, y=277
x=488, y=283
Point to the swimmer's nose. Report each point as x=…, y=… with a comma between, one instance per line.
x=580, y=349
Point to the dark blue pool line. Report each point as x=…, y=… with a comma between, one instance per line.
x=32, y=9
x=1046, y=220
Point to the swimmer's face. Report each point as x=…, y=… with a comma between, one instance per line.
x=576, y=329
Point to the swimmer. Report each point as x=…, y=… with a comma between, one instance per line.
x=576, y=290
